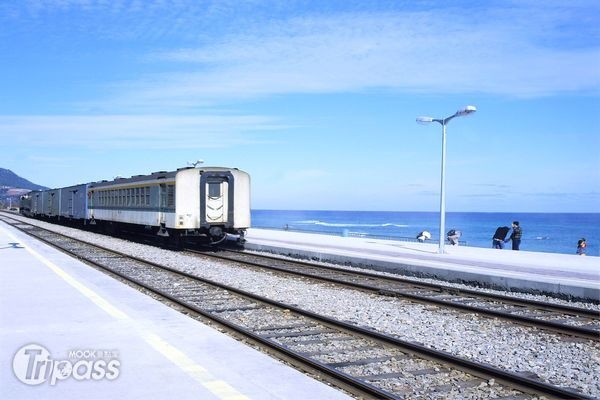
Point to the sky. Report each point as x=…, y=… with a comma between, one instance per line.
x=317, y=100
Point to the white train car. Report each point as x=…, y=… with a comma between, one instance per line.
x=210, y=202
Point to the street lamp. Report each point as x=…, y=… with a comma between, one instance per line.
x=426, y=120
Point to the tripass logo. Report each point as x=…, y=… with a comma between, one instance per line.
x=33, y=365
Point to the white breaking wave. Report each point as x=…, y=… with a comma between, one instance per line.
x=349, y=225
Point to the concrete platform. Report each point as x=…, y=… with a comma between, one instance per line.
x=562, y=275
x=100, y=339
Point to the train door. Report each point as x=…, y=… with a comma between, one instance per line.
x=35, y=203
x=71, y=201
x=163, y=209
x=217, y=189
x=51, y=201
x=162, y=203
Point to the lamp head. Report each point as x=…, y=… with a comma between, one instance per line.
x=424, y=120
x=466, y=111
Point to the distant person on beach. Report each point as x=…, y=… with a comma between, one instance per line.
x=453, y=237
x=499, y=237
x=581, y=247
x=515, y=236
x=423, y=236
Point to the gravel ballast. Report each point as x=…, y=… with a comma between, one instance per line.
x=566, y=362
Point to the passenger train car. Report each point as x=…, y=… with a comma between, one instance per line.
x=210, y=203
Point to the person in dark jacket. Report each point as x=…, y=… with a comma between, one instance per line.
x=453, y=236
x=516, y=235
x=581, y=247
x=499, y=237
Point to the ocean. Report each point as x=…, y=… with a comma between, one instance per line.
x=543, y=232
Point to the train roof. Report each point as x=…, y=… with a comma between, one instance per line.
x=154, y=176
x=136, y=178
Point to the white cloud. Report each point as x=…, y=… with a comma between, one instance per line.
x=138, y=131
x=500, y=52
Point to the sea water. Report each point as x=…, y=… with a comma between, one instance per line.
x=552, y=232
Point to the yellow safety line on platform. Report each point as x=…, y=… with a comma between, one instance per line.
x=219, y=387
x=87, y=292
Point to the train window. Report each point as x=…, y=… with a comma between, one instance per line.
x=171, y=196
x=128, y=197
x=214, y=189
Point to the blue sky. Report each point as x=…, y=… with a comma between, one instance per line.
x=317, y=100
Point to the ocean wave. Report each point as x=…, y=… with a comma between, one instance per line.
x=349, y=225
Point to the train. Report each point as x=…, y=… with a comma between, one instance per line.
x=211, y=204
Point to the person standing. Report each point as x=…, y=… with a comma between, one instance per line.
x=581, y=247
x=516, y=235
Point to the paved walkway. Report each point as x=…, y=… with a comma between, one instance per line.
x=561, y=274
x=68, y=331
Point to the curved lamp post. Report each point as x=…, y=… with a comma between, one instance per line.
x=426, y=120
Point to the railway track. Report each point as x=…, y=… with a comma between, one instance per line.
x=562, y=319
x=365, y=362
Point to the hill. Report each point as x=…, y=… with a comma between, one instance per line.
x=10, y=180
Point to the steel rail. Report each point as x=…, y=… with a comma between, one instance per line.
x=514, y=380
x=492, y=296
x=578, y=331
